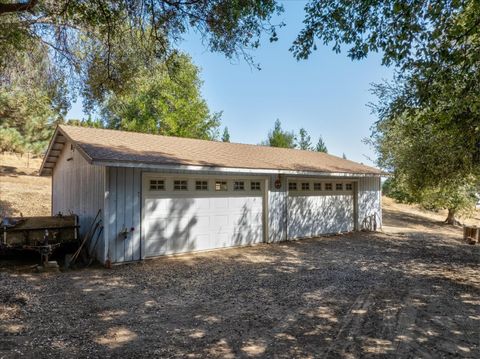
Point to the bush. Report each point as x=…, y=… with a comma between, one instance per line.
x=11, y=140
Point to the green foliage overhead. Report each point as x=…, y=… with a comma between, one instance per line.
x=32, y=101
x=280, y=138
x=404, y=31
x=101, y=43
x=428, y=132
x=164, y=101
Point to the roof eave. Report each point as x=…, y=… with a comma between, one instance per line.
x=45, y=168
x=153, y=166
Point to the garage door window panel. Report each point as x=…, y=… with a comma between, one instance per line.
x=221, y=186
x=238, y=186
x=201, y=185
x=339, y=186
x=180, y=185
x=255, y=186
x=328, y=187
x=292, y=186
x=305, y=186
x=157, y=185
x=317, y=186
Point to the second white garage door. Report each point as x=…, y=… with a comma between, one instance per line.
x=318, y=207
x=183, y=214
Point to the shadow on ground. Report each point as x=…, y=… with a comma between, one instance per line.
x=360, y=295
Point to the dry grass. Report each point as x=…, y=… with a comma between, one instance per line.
x=436, y=217
x=22, y=191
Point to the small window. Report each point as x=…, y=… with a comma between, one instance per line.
x=201, y=185
x=180, y=185
x=292, y=186
x=255, y=186
x=221, y=186
x=305, y=186
x=317, y=186
x=328, y=187
x=157, y=185
x=238, y=186
x=339, y=186
x=348, y=186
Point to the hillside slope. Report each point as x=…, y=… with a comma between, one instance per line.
x=22, y=191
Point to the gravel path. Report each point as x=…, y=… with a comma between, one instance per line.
x=413, y=294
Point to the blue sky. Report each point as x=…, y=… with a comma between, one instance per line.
x=326, y=94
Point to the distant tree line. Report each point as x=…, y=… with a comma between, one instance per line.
x=279, y=137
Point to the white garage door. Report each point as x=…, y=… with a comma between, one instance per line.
x=319, y=207
x=184, y=214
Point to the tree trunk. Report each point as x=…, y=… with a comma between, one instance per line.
x=451, y=217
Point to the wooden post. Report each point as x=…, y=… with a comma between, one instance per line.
x=471, y=234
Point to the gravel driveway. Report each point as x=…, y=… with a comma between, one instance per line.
x=412, y=294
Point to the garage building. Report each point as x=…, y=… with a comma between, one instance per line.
x=162, y=195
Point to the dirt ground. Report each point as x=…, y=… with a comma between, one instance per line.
x=22, y=191
x=411, y=292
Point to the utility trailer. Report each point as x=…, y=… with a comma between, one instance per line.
x=41, y=234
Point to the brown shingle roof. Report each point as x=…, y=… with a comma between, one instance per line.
x=121, y=147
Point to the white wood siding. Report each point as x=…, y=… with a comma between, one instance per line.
x=78, y=187
x=369, y=200
x=277, y=210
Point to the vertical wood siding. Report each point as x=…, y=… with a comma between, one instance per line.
x=277, y=210
x=123, y=212
x=369, y=200
x=123, y=209
x=78, y=187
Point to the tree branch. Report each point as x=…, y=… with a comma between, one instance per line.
x=17, y=7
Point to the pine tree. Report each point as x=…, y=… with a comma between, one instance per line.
x=305, y=142
x=321, y=147
x=280, y=138
x=226, y=135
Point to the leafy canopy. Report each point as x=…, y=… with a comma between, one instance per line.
x=32, y=97
x=428, y=137
x=164, y=101
x=404, y=31
x=428, y=132
x=101, y=44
